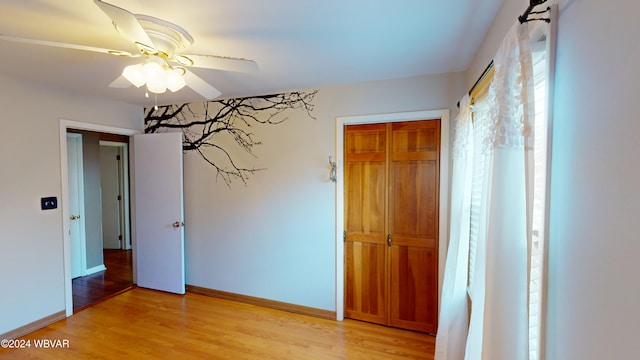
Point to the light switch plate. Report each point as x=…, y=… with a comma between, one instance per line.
x=48, y=203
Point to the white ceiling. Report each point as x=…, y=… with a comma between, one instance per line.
x=297, y=44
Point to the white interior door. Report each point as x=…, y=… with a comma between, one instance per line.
x=158, y=195
x=111, y=197
x=76, y=205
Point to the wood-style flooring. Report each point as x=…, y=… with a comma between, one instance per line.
x=147, y=324
x=88, y=290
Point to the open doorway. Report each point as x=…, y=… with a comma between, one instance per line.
x=102, y=238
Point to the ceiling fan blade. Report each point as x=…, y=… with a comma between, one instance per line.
x=120, y=83
x=223, y=63
x=31, y=41
x=127, y=24
x=200, y=86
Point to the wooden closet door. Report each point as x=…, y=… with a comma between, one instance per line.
x=392, y=174
x=413, y=224
x=365, y=228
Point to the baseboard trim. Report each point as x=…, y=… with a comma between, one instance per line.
x=31, y=327
x=272, y=304
x=95, y=269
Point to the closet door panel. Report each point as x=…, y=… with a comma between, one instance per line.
x=365, y=229
x=413, y=225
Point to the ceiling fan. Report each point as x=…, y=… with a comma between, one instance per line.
x=160, y=44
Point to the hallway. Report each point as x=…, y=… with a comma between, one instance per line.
x=91, y=289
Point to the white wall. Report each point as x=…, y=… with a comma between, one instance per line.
x=275, y=238
x=594, y=242
x=31, y=243
x=596, y=173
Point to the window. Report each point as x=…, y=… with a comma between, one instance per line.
x=496, y=257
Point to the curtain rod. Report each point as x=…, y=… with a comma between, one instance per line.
x=482, y=76
x=532, y=4
x=523, y=19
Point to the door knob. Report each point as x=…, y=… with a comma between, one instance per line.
x=75, y=217
x=178, y=224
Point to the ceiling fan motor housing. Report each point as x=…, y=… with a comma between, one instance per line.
x=168, y=38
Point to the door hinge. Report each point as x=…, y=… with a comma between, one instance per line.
x=118, y=157
x=119, y=197
x=389, y=241
x=120, y=237
x=344, y=236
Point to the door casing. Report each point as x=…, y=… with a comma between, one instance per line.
x=443, y=225
x=64, y=126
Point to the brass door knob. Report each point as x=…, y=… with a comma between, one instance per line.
x=178, y=224
x=75, y=217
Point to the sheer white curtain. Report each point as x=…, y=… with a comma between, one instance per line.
x=454, y=318
x=496, y=214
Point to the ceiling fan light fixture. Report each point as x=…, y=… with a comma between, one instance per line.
x=157, y=85
x=134, y=74
x=158, y=78
x=152, y=70
x=174, y=79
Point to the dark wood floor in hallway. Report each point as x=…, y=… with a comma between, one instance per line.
x=147, y=324
x=88, y=290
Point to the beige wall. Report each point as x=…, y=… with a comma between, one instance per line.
x=275, y=237
x=31, y=240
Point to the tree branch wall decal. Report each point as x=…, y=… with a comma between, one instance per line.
x=205, y=122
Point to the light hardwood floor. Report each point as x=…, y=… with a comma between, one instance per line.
x=146, y=324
